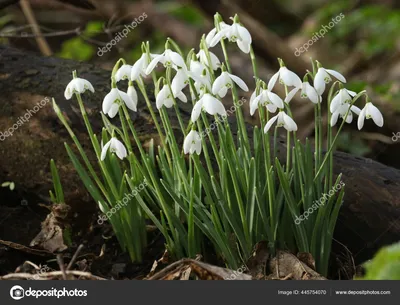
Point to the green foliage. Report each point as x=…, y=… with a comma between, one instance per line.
x=385, y=265
x=58, y=195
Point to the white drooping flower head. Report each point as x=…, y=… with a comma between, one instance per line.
x=210, y=36
x=283, y=121
x=286, y=77
x=225, y=81
x=209, y=104
x=215, y=62
x=140, y=66
x=112, y=101
x=124, y=72
x=180, y=81
x=370, y=112
x=77, y=85
x=323, y=77
x=168, y=58
x=342, y=110
x=266, y=98
x=343, y=97
x=234, y=33
x=192, y=143
x=307, y=91
x=166, y=98
x=115, y=146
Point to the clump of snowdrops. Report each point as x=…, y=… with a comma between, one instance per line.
x=222, y=189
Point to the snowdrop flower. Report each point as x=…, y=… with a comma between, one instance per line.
x=166, y=98
x=307, y=91
x=113, y=100
x=168, y=58
x=132, y=94
x=192, y=143
x=266, y=98
x=225, y=81
x=115, y=146
x=210, y=36
x=235, y=33
x=370, y=111
x=209, y=104
x=215, y=62
x=323, y=77
x=77, y=85
x=343, y=97
x=341, y=111
x=283, y=120
x=124, y=72
x=140, y=66
x=180, y=81
x=286, y=77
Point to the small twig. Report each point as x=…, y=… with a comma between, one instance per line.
x=60, y=262
x=46, y=275
x=42, y=43
x=74, y=257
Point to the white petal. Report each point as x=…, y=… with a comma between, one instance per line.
x=215, y=62
x=272, y=108
x=218, y=37
x=154, y=63
x=182, y=97
x=272, y=81
x=243, y=46
x=68, y=92
x=133, y=94
x=210, y=36
x=137, y=68
x=127, y=100
x=124, y=72
x=119, y=148
x=113, y=110
x=187, y=143
x=334, y=118
x=244, y=34
x=335, y=103
x=197, y=110
x=162, y=96
x=319, y=81
x=290, y=78
x=312, y=94
x=269, y=123
x=104, y=150
x=109, y=100
x=213, y=106
x=290, y=125
x=275, y=99
x=349, y=117
x=355, y=109
x=176, y=59
x=219, y=83
x=239, y=82
x=361, y=118
x=336, y=74
x=291, y=94
x=375, y=114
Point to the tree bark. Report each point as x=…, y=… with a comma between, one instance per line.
x=368, y=220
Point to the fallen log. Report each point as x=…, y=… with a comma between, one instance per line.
x=368, y=220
